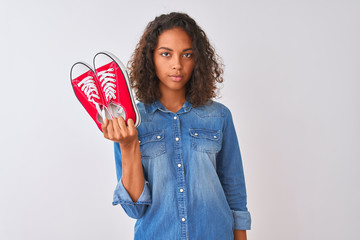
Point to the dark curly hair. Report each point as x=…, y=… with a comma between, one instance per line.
x=208, y=68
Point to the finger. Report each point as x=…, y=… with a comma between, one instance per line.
x=104, y=127
x=110, y=130
x=122, y=124
x=117, y=130
x=130, y=122
x=131, y=127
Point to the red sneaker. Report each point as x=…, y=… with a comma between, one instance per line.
x=87, y=91
x=115, y=85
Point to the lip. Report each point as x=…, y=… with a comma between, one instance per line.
x=176, y=78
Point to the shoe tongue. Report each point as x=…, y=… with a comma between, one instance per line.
x=107, y=113
x=99, y=118
x=104, y=114
x=117, y=111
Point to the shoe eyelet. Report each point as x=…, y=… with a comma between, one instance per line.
x=113, y=75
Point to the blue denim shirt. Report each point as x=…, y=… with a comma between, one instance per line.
x=194, y=180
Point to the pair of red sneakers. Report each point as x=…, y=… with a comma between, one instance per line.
x=104, y=92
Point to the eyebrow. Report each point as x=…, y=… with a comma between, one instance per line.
x=169, y=49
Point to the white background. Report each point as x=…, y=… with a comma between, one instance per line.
x=291, y=81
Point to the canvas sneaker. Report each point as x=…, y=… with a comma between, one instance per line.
x=115, y=86
x=87, y=91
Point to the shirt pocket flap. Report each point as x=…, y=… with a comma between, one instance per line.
x=213, y=135
x=151, y=137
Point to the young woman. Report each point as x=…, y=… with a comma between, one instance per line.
x=180, y=172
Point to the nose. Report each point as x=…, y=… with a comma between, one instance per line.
x=176, y=63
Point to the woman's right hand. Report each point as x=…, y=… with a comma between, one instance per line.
x=118, y=131
x=132, y=171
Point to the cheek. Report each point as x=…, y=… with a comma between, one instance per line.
x=159, y=68
x=190, y=66
x=157, y=65
x=159, y=62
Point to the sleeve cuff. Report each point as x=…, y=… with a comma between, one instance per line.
x=242, y=220
x=121, y=196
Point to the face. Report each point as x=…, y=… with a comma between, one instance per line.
x=173, y=58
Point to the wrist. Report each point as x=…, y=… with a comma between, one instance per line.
x=129, y=147
x=130, y=154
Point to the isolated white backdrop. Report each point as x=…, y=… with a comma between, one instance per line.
x=291, y=81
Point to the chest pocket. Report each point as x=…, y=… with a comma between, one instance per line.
x=152, y=144
x=205, y=140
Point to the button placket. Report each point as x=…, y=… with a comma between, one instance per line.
x=181, y=196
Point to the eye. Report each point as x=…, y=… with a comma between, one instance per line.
x=165, y=54
x=188, y=55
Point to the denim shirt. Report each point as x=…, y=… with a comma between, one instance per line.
x=194, y=180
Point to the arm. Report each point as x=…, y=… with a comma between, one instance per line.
x=132, y=172
x=239, y=234
x=231, y=174
x=132, y=191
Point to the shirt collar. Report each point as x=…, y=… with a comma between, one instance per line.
x=157, y=105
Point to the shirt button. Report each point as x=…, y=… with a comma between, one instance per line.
x=179, y=165
x=214, y=136
x=175, y=117
x=181, y=190
x=183, y=219
x=196, y=134
x=139, y=141
x=158, y=137
x=177, y=139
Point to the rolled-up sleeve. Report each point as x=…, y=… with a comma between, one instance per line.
x=231, y=174
x=121, y=196
x=242, y=220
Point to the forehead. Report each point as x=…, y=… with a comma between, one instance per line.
x=175, y=37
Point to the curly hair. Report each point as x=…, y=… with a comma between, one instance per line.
x=208, y=68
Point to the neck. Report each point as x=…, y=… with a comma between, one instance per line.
x=173, y=101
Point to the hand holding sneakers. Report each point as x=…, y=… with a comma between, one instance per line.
x=105, y=92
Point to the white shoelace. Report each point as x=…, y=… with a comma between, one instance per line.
x=89, y=88
x=107, y=83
